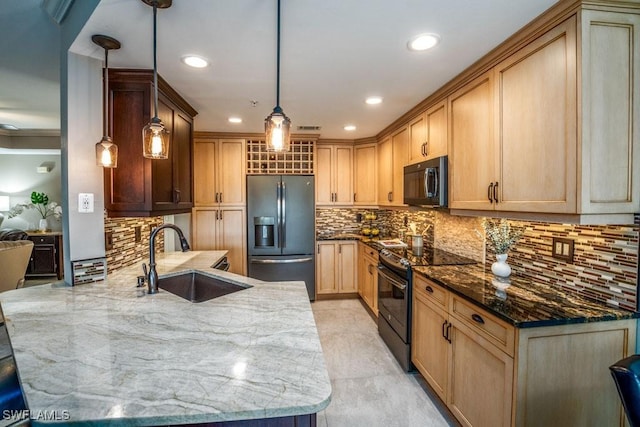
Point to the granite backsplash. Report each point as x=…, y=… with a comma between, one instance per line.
x=604, y=267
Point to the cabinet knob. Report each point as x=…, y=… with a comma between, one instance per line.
x=428, y=289
x=495, y=192
x=390, y=196
x=490, y=193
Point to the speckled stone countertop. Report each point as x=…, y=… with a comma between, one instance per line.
x=524, y=303
x=107, y=353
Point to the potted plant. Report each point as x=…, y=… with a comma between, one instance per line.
x=39, y=202
x=500, y=237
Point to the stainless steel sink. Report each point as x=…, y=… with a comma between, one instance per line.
x=197, y=287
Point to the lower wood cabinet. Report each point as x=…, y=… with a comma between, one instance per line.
x=490, y=373
x=46, y=257
x=222, y=229
x=336, y=271
x=368, y=276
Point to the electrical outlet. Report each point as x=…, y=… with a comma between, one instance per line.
x=562, y=249
x=85, y=202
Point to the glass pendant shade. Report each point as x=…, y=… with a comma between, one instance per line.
x=106, y=153
x=277, y=127
x=155, y=140
x=106, y=150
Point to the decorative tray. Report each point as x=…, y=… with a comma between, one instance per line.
x=392, y=243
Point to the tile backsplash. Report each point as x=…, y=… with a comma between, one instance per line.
x=125, y=250
x=604, y=267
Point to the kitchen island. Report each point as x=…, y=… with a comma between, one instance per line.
x=108, y=353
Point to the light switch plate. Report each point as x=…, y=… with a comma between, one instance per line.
x=85, y=202
x=562, y=249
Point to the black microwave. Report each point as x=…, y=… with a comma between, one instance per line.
x=425, y=183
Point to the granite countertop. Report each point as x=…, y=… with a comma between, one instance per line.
x=108, y=353
x=525, y=303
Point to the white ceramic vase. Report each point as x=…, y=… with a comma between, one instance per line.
x=43, y=224
x=500, y=268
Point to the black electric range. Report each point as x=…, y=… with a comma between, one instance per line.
x=395, y=294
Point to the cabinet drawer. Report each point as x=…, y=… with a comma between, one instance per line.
x=490, y=327
x=426, y=288
x=43, y=240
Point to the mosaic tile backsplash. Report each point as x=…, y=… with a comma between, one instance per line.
x=125, y=250
x=604, y=267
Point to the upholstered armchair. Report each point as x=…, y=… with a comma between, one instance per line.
x=14, y=259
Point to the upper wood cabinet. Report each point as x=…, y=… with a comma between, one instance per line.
x=334, y=176
x=140, y=186
x=393, y=154
x=551, y=128
x=428, y=134
x=365, y=176
x=219, y=171
x=472, y=153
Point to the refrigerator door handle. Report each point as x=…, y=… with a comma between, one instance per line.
x=283, y=193
x=279, y=213
x=281, y=261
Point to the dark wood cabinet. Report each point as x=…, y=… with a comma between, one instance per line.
x=141, y=187
x=46, y=257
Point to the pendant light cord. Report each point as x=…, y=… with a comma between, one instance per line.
x=155, y=61
x=278, y=60
x=106, y=93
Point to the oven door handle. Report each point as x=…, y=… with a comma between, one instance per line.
x=395, y=282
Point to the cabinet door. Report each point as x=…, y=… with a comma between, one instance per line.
x=436, y=131
x=481, y=379
x=347, y=267
x=400, y=146
x=326, y=263
x=343, y=175
x=472, y=155
x=182, y=160
x=324, y=188
x=205, y=157
x=231, y=176
x=205, y=225
x=365, y=175
x=429, y=348
x=535, y=122
x=385, y=172
x=417, y=138
x=231, y=236
x=610, y=148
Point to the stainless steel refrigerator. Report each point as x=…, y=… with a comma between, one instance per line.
x=281, y=228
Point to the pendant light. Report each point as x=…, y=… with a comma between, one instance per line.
x=277, y=125
x=155, y=138
x=106, y=150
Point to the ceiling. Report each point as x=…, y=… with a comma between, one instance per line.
x=334, y=53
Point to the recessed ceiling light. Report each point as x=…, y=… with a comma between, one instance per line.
x=235, y=120
x=350, y=127
x=195, y=61
x=373, y=100
x=423, y=41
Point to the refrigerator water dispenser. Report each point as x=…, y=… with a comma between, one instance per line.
x=263, y=226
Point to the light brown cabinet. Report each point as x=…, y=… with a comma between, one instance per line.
x=368, y=276
x=393, y=154
x=550, y=129
x=471, y=157
x=219, y=172
x=336, y=267
x=490, y=373
x=222, y=229
x=365, y=176
x=428, y=134
x=334, y=175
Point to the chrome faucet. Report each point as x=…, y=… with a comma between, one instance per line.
x=152, y=277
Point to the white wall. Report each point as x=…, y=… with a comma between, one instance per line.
x=84, y=129
x=18, y=178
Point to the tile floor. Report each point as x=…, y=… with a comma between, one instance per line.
x=369, y=387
